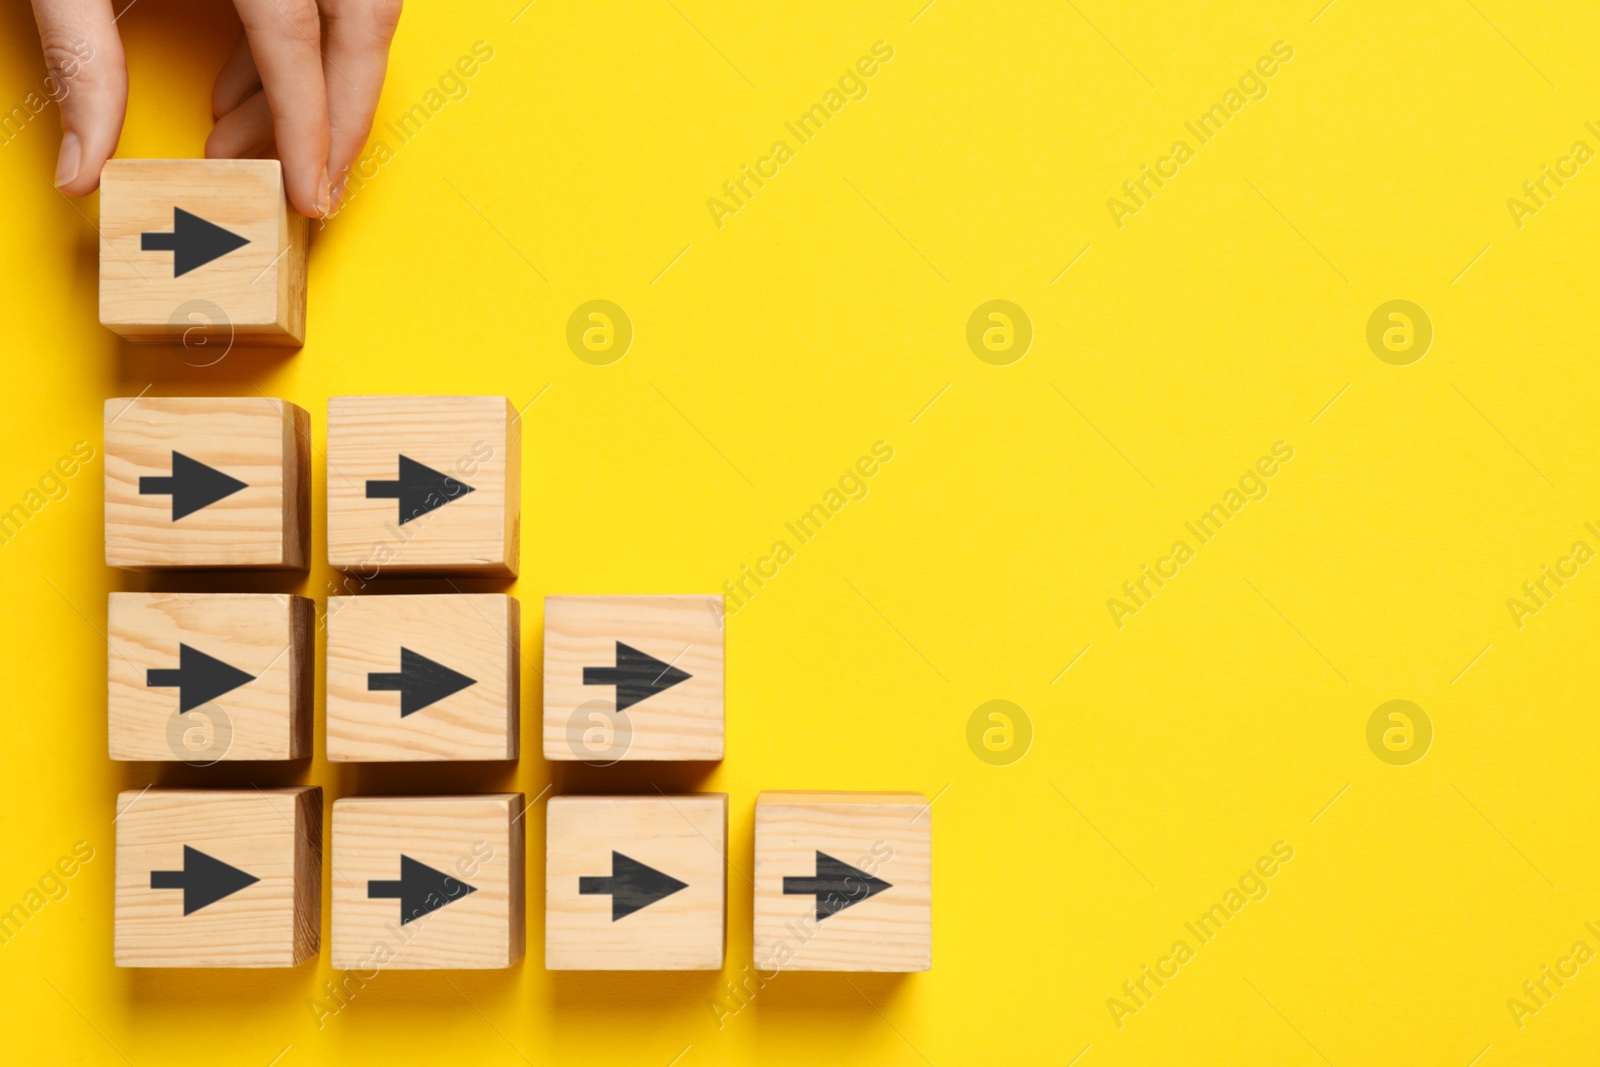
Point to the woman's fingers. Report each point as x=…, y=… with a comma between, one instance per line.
x=242, y=132
x=285, y=38
x=356, y=45
x=236, y=82
x=89, y=79
x=282, y=86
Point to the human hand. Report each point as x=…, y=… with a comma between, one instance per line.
x=302, y=84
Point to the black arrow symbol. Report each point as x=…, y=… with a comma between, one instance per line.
x=193, y=242
x=204, y=879
x=419, y=489
x=632, y=885
x=199, y=678
x=192, y=485
x=421, y=889
x=637, y=676
x=837, y=885
x=420, y=681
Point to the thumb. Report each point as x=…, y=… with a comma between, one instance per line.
x=88, y=78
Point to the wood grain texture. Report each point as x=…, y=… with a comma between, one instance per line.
x=684, y=722
x=476, y=840
x=273, y=834
x=888, y=836
x=478, y=635
x=474, y=439
x=268, y=635
x=683, y=837
x=262, y=442
x=260, y=288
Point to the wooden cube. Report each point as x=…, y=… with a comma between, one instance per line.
x=218, y=877
x=202, y=677
x=633, y=678
x=432, y=677
x=207, y=482
x=424, y=484
x=636, y=883
x=201, y=242
x=843, y=882
x=424, y=883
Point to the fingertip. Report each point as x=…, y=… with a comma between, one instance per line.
x=310, y=198
x=77, y=167
x=324, y=195
x=303, y=151
x=69, y=160
x=84, y=60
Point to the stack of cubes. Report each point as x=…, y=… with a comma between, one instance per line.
x=416, y=486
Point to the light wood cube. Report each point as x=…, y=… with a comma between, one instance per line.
x=425, y=883
x=431, y=677
x=843, y=882
x=207, y=482
x=218, y=877
x=186, y=242
x=202, y=677
x=633, y=678
x=424, y=484
x=636, y=883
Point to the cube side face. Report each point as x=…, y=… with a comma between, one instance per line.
x=817, y=857
x=265, y=636
x=219, y=442
x=295, y=235
x=297, y=487
x=303, y=631
x=457, y=652
x=676, y=839
x=308, y=874
x=233, y=859
x=449, y=466
x=455, y=900
x=664, y=636
x=251, y=293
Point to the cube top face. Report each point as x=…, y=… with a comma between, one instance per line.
x=636, y=883
x=210, y=243
x=843, y=882
x=431, y=677
x=218, y=877
x=424, y=484
x=633, y=678
x=425, y=883
x=207, y=482
x=203, y=677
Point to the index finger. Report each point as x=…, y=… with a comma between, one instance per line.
x=285, y=38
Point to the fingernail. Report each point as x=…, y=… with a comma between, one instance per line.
x=324, y=194
x=69, y=160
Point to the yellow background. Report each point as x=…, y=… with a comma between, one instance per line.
x=1228, y=714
